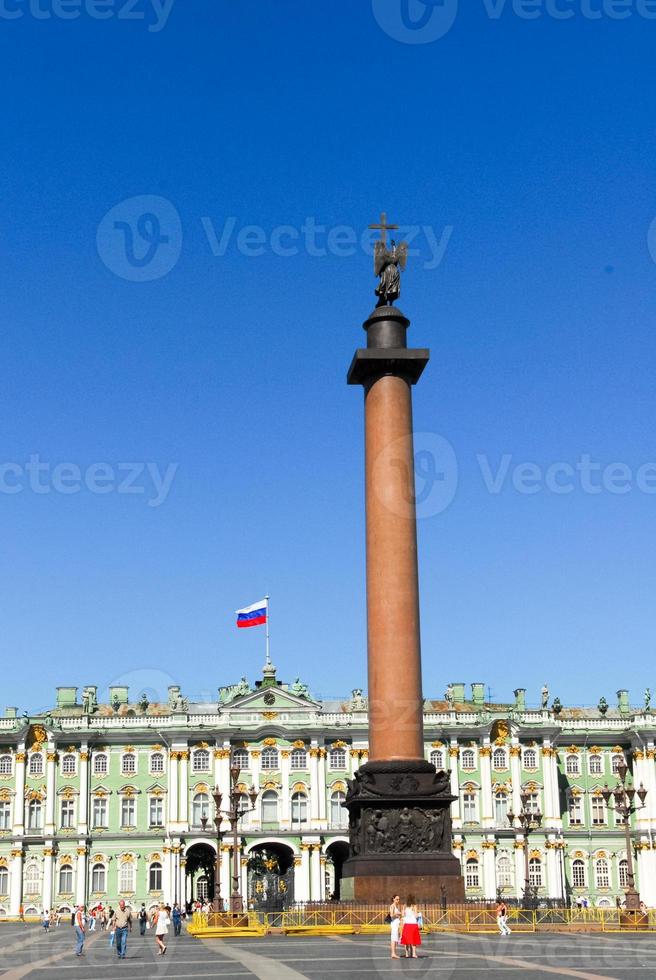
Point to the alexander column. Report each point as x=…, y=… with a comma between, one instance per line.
x=399, y=806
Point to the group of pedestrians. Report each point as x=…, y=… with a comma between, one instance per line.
x=405, y=927
x=120, y=924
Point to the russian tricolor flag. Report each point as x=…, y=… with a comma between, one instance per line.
x=255, y=615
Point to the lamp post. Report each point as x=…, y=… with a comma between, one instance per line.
x=624, y=804
x=529, y=820
x=233, y=814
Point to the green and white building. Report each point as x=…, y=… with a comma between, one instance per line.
x=105, y=801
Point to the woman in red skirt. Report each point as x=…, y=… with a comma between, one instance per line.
x=410, y=936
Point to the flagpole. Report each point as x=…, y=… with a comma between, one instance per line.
x=268, y=657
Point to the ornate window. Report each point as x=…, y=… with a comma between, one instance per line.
x=602, y=873
x=596, y=765
x=34, y=815
x=623, y=869
x=299, y=809
x=575, y=810
x=99, y=812
x=338, y=814
x=337, y=759
x=68, y=764
x=501, y=809
x=126, y=877
x=572, y=767
x=66, y=879
x=5, y=815
x=617, y=762
x=499, y=760
x=155, y=877
x=530, y=759
x=98, y=878
x=200, y=808
x=157, y=763
x=299, y=759
x=240, y=758
x=156, y=811
x=504, y=872
x=269, y=807
x=4, y=881
x=535, y=872
x=270, y=759
x=100, y=764
x=472, y=873
x=128, y=811
x=469, y=808
x=36, y=764
x=67, y=814
x=32, y=880
x=244, y=807
x=468, y=759
x=598, y=811
x=532, y=804
x=437, y=759
x=578, y=873
x=128, y=764
x=6, y=765
x=200, y=761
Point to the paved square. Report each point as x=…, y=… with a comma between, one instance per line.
x=26, y=951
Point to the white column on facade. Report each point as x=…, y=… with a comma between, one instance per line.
x=51, y=757
x=222, y=774
x=456, y=817
x=81, y=875
x=167, y=877
x=173, y=790
x=314, y=785
x=548, y=806
x=19, y=799
x=16, y=881
x=255, y=818
x=519, y=870
x=315, y=873
x=183, y=813
x=244, y=881
x=555, y=788
x=323, y=861
x=321, y=787
x=285, y=793
x=302, y=875
x=515, y=777
x=48, y=859
x=83, y=806
x=647, y=876
x=487, y=812
x=226, y=872
x=489, y=870
x=553, y=871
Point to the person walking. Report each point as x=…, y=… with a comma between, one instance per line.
x=502, y=918
x=122, y=922
x=395, y=925
x=161, y=923
x=410, y=935
x=143, y=919
x=176, y=917
x=80, y=929
x=46, y=920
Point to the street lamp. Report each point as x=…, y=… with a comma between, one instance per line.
x=529, y=820
x=624, y=796
x=233, y=814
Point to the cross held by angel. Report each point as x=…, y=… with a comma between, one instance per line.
x=388, y=264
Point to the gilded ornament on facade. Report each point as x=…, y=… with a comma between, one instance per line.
x=485, y=751
x=269, y=742
x=269, y=715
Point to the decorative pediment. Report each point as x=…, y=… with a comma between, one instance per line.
x=68, y=792
x=128, y=790
x=271, y=699
x=156, y=790
x=101, y=791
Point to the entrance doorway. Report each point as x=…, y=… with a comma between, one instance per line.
x=270, y=877
x=199, y=879
x=337, y=853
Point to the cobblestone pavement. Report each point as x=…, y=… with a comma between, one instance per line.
x=26, y=951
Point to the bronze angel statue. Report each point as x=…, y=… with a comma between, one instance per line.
x=388, y=264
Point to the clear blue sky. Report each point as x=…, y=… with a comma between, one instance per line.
x=532, y=139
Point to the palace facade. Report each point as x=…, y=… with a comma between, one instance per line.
x=106, y=801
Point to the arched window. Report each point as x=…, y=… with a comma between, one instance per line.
x=468, y=759
x=34, y=811
x=623, y=869
x=530, y=759
x=602, y=873
x=337, y=759
x=617, y=762
x=240, y=758
x=299, y=809
x=155, y=877
x=244, y=807
x=338, y=813
x=98, y=878
x=5, y=815
x=66, y=879
x=129, y=764
x=472, y=873
x=157, y=763
x=535, y=872
x=270, y=759
x=578, y=873
x=499, y=760
x=36, y=764
x=596, y=765
x=68, y=764
x=126, y=877
x=200, y=761
x=5, y=765
x=504, y=872
x=4, y=881
x=572, y=767
x=532, y=803
x=200, y=808
x=299, y=759
x=32, y=880
x=437, y=759
x=270, y=807
x=100, y=764
x=501, y=809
